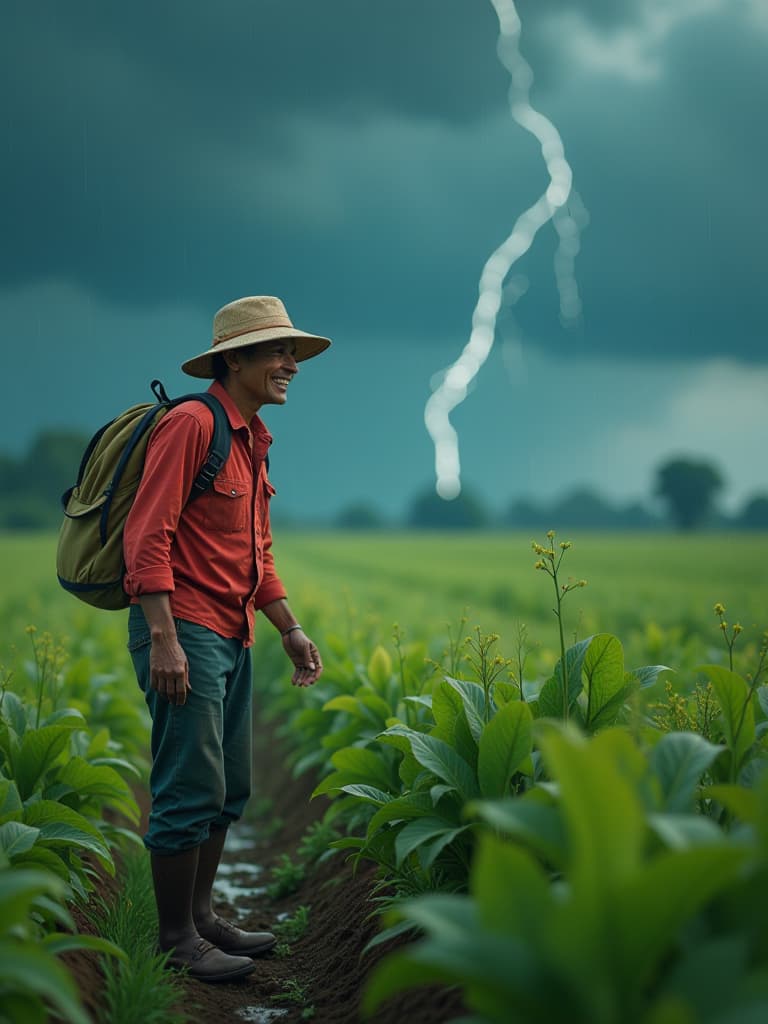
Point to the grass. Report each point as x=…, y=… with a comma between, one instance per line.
x=141, y=991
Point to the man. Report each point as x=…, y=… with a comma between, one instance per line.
x=197, y=573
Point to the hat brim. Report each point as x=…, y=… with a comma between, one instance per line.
x=307, y=346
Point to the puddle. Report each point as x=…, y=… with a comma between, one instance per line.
x=241, y=837
x=234, y=894
x=254, y=870
x=259, y=1014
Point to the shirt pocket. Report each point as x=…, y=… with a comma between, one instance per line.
x=225, y=505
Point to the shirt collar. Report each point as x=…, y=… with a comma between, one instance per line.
x=236, y=421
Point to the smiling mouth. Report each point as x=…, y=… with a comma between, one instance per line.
x=282, y=382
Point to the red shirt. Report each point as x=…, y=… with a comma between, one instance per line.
x=213, y=555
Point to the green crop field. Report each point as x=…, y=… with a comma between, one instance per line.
x=655, y=591
x=642, y=795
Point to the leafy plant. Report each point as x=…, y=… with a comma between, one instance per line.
x=607, y=909
x=32, y=981
x=287, y=876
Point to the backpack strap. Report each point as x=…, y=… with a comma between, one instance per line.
x=221, y=443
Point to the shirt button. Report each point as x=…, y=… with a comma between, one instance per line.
x=233, y=491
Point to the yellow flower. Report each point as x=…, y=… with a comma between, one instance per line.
x=719, y=609
x=737, y=628
x=564, y=545
x=550, y=534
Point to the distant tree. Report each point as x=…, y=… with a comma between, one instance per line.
x=585, y=508
x=428, y=511
x=524, y=513
x=360, y=515
x=688, y=487
x=50, y=466
x=754, y=515
x=32, y=485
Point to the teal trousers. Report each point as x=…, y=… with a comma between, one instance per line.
x=201, y=750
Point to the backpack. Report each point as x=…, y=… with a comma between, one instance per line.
x=89, y=557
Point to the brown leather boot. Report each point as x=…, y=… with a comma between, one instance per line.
x=212, y=927
x=174, y=876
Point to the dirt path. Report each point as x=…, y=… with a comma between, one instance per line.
x=325, y=962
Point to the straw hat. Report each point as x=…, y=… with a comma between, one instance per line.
x=249, y=321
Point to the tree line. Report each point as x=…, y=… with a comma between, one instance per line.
x=686, y=489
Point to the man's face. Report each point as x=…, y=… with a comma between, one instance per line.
x=266, y=370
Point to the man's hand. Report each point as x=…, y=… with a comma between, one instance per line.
x=169, y=669
x=305, y=656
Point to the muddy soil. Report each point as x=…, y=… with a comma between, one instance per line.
x=326, y=961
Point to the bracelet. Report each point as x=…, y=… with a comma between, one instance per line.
x=290, y=630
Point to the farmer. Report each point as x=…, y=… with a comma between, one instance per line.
x=197, y=574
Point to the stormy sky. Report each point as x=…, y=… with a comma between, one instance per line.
x=359, y=160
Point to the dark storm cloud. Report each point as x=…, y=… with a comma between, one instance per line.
x=360, y=157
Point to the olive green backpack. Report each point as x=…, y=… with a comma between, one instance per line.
x=89, y=557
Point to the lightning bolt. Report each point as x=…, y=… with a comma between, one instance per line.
x=550, y=206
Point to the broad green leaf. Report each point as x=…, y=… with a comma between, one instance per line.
x=521, y=906
x=17, y=838
x=399, y=972
x=611, y=710
x=451, y=724
x=438, y=792
x=40, y=857
x=550, y=702
x=425, y=699
x=504, y=744
x=473, y=702
x=380, y=710
x=347, y=843
x=603, y=668
x=420, y=831
x=741, y=802
x=503, y=692
x=392, y=932
x=679, y=760
x=13, y=712
x=649, y=911
x=601, y=806
x=23, y=1006
x=19, y=887
x=99, y=781
x=647, y=675
x=526, y=819
x=61, y=826
x=430, y=851
x=440, y=759
x=10, y=801
x=334, y=782
x=490, y=967
x=413, y=805
x=29, y=968
x=71, y=717
x=344, y=702
x=737, y=711
x=367, y=764
x=368, y=793
x=682, y=831
x=39, y=750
